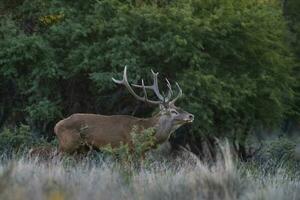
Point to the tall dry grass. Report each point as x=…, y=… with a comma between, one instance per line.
x=185, y=177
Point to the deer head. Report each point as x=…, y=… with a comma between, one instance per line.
x=169, y=117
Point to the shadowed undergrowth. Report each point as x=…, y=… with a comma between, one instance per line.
x=185, y=177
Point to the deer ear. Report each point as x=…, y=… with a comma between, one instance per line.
x=162, y=107
x=172, y=104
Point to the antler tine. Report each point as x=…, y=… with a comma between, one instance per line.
x=144, y=90
x=179, y=94
x=170, y=91
x=127, y=85
x=153, y=87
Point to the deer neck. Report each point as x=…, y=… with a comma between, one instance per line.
x=163, y=128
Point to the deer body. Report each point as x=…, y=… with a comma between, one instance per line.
x=97, y=131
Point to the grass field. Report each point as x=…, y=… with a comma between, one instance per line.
x=185, y=177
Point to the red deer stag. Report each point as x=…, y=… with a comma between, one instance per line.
x=99, y=130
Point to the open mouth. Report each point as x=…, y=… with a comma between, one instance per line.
x=188, y=120
x=184, y=121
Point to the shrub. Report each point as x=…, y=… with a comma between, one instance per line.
x=18, y=139
x=15, y=139
x=279, y=153
x=135, y=153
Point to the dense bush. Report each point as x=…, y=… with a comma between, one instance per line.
x=132, y=156
x=230, y=57
x=292, y=14
x=18, y=139
x=277, y=153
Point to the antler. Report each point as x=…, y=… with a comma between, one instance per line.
x=170, y=91
x=162, y=99
x=153, y=87
x=178, y=96
x=127, y=85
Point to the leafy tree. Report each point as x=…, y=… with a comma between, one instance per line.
x=291, y=12
x=230, y=57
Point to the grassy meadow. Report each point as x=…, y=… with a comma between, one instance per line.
x=184, y=176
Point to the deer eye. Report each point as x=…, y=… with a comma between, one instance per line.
x=174, y=112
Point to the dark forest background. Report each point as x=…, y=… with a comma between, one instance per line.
x=237, y=62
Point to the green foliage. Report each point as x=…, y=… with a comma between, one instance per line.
x=292, y=14
x=43, y=110
x=131, y=158
x=230, y=57
x=248, y=68
x=19, y=138
x=282, y=149
x=133, y=154
x=279, y=153
x=142, y=142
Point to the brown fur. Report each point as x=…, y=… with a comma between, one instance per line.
x=97, y=130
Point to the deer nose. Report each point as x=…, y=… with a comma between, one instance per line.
x=191, y=117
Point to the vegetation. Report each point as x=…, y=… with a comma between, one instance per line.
x=183, y=178
x=232, y=58
x=292, y=15
x=141, y=143
x=237, y=62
